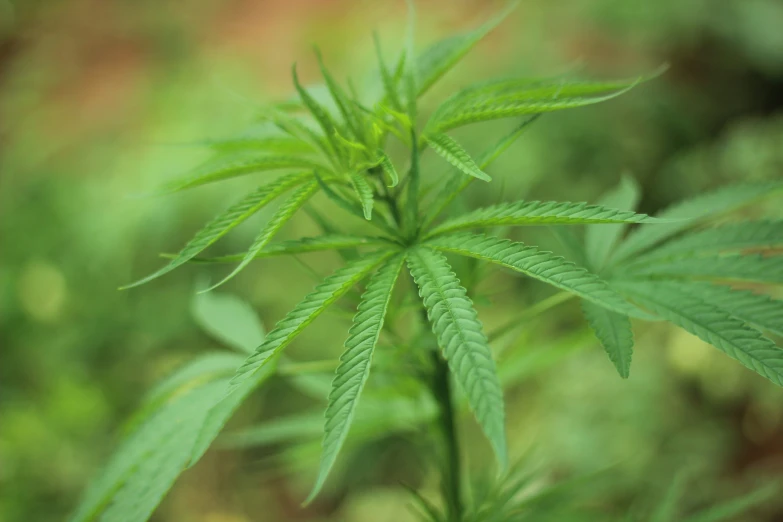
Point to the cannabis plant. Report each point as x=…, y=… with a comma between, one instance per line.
x=623, y=265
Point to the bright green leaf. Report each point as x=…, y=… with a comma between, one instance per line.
x=614, y=332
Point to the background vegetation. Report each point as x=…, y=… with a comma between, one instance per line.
x=98, y=100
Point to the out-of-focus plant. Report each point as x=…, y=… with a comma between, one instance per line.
x=671, y=267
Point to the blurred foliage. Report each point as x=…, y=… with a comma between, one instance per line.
x=97, y=101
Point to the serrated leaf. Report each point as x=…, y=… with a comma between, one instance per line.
x=331, y=289
x=544, y=266
x=735, y=267
x=453, y=152
x=364, y=193
x=711, y=324
x=342, y=101
x=440, y=57
x=461, y=337
x=750, y=235
x=601, y=239
x=320, y=114
x=690, y=213
x=295, y=127
x=758, y=310
x=354, y=368
x=509, y=98
x=229, y=319
x=226, y=221
x=540, y=213
x=457, y=183
x=235, y=165
x=281, y=216
x=388, y=168
x=302, y=246
x=614, y=332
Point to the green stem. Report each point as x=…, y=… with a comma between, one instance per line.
x=450, y=482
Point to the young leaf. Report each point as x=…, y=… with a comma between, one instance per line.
x=223, y=223
x=711, y=324
x=505, y=99
x=234, y=165
x=354, y=368
x=758, y=310
x=280, y=218
x=228, y=319
x=303, y=246
x=540, y=213
x=749, y=235
x=457, y=183
x=440, y=57
x=320, y=114
x=692, y=212
x=462, y=340
x=331, y=289
x=614, y=332
x=342, y=101
x=388, y=168
x=736, y=267
x=600, y=239
x=544, y=266
x=364, y=193
x=453, y=152
x=389, y=82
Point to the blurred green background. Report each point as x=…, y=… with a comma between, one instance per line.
x=98, y=101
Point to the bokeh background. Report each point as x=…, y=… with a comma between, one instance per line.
x=99, y=100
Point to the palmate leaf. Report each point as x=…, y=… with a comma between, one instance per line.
x=510, y=98
x=238, y=164
x=453, y=152
x=331, y=289
x=354, y=368
x=461, y=338
x=540, y=213
x=692, y=212
x=750, y=235
x=226, y=221
x=440, y=57
x=302, y=246
x=544, y=266
x=600, y=239
x=759, y=310
x=364, y=193
x=281, y=216
x=736, y=267
x=614, y=332
x=711, y=324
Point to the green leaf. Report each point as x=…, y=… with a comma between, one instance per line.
x=614, y=332
x=758, y=310
x=453, y=152
x=326, y=293
x=692, y=212
x=544, y=266
x=388, y=168
x=205, y=368
x=320, y=114
x=282, y=430
x=389, y=83
x=364, y=193
x=268, y=144
x=711, y=324
x=303, y=246
x=354, y=368
x=295, y=127
x=440, y=57
x=281, y=216
x=736, y=267
x=344, y=104
x=461, y=338
x=750, y=235
x=235, y=165
x=509, y=98
x=457, y=183
x=601, y=239
x=229, y=319
x=229, y=219
x=540, y=213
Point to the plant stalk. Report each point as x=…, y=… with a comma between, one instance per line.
x=451, y=468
